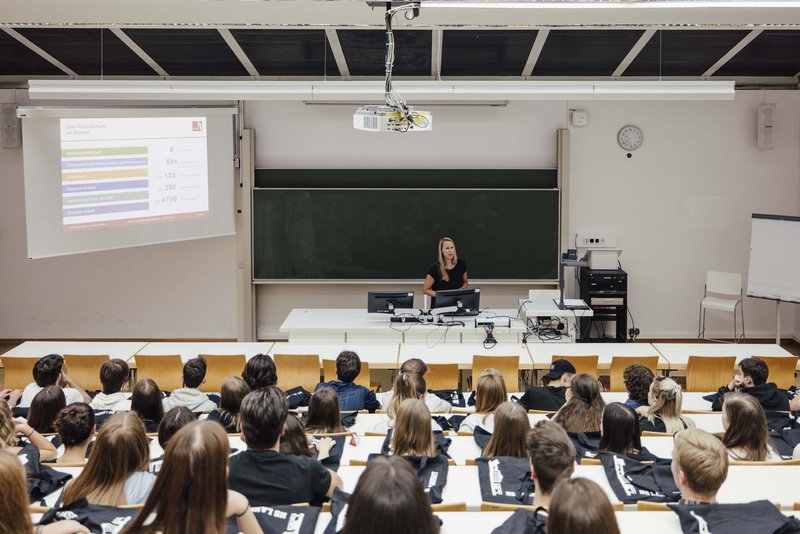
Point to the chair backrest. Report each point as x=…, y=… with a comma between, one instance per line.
x=297, y=370
x=724, y=284
x=781, y=369
x=708, y=373
x=18, y=371
x=543, y=294
x=85, y=369
x=582, y=364
x=166, y=370
x=442, y=376
x=590, y=461
x=620, y=363
x=220, y=367
x=761, y=464
x=508, y=365
x=503, y=507
x=329, y=373
x=644, y=506
x=449, y=507
x=651, y=434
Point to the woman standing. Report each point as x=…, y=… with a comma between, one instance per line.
x=448, y=272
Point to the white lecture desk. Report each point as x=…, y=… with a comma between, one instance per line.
x=377, y=355
x=115, y=349
x=190, y=350
x=462, y=353
x=323, y=325
x=677, y=354
x=548, y=308
x=542, y=353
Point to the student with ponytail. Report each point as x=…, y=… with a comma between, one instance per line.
x=664, y=412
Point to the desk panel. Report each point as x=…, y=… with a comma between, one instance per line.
x=462, y=354
x=115, y=349
x=677, y=354
x=377, y=355
x=542, y=353
x=191, y=350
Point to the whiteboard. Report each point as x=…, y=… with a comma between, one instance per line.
x=774, y=258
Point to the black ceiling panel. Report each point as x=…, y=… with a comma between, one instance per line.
x=584, y=52
x=364, y=52
x=288, y=52
x=486, y=52
x=18, y=59
x=772, y=53
x=683, y=52
x=89, y=52
x=189, y=52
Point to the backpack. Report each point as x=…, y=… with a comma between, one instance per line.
x=431, y=471
x=98, y=519
x=441, y=443
x=453, y=396
x=505, y=479
x=524, y=522
x=634, y=481
x=282, y=519
x=40, y=479
x=586, y=444
x=759, y=517
x=334, y=459
x=297, y=397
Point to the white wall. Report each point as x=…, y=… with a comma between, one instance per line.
x=180, y=290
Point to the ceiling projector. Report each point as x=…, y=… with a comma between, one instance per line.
x=392, y=119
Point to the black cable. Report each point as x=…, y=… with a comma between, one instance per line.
x=490, y=341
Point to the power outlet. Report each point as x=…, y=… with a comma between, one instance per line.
x=596, y=240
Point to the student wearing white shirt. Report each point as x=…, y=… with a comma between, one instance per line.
x=434, y=403
x=49, y=371
x=114, y=374
x=490, y=392
x=194, y=375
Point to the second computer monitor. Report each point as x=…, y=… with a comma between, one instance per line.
x=467, y=301
x=389, y=301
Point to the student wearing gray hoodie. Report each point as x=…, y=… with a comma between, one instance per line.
x=194, y=375
x=114, y=374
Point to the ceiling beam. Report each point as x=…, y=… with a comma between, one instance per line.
x=136, y=49
x=732, y=52
x=233, y=44
x=338, y=53
x=628, y=59
x=536, y=50
x=38, y=50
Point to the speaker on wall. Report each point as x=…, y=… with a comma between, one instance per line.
x=12, y=131
x=766, y=126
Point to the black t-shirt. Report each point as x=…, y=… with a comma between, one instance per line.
x=656, y=426
x=269, y=478
x=548, y=398
x=455, y=278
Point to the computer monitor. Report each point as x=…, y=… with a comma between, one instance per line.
x=389, y=301
x=465, y=301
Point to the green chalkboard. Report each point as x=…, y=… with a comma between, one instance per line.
x=383, y=234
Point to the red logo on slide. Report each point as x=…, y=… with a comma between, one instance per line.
x=197, y=126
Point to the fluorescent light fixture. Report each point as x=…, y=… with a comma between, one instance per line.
x=360, y=91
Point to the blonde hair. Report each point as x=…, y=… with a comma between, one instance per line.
x=442, y=264
x=412, y=435
x=406, y=386
x=8, y=438
x=702, y=458
x=667, y=406
x=490, y=392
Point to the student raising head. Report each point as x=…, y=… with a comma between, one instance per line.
x=75, y=425
x=621, y=434
x=390, y=499
x=745, y=424
x=664, y=412
x=233, y=391
x=490, y=392
x=510, y=436
x=191, y=494
x=584, y=407
x=116, y=473
x=147, y=403
x=323, y=416
x=44, y=409
x=412, y=435
x=580, y=506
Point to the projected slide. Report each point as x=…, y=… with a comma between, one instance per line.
x=125, y=171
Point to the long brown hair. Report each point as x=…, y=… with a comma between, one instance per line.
x=412, y=435
x=490, y=392
x=323, y=416
x=389, y=499
x=510, y=436
x=294, y=440
x=233, y=391
x=747, y=427
x=406, y=386
x=191, y=492
x=14, y=504
x=8, y=438
x=120, y=450
x=667, y=405
x=440, y=259
x=45, y=407
x=583, y=412
x=580, y=506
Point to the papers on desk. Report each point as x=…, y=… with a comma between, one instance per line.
x=575, y=304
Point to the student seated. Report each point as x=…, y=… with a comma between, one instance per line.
x=699, y=465
x=148, y=403
x=490, y=392
x=510, y=436
x=173, y=420
x=434, y=403
x=746, y=433
x=412, y=435
x=323, y=415
x=116, y=472
x=14, y=506
x=352, y=397
x=390, y=499
x=194, y=375
x=664, y=412
x=233, y=391
x=75, y=426
x=620, y=433
x=552, y=395
x=264, y=475
x=44, y=409
x=584, y=407
x=580, y=506
x=295, y=441
x=49, y=371
x=114, y=374
x=259, y=372
x=751, y=378
x=406, y=386
x=11, y=430
x=637, y=379
x=191, y=493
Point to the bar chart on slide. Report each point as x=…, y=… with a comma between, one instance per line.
x=124, y=171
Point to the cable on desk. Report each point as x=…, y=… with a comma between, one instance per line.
x=490, y=341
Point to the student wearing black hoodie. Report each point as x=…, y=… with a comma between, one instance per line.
x=552, y=395
x=751, y=378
